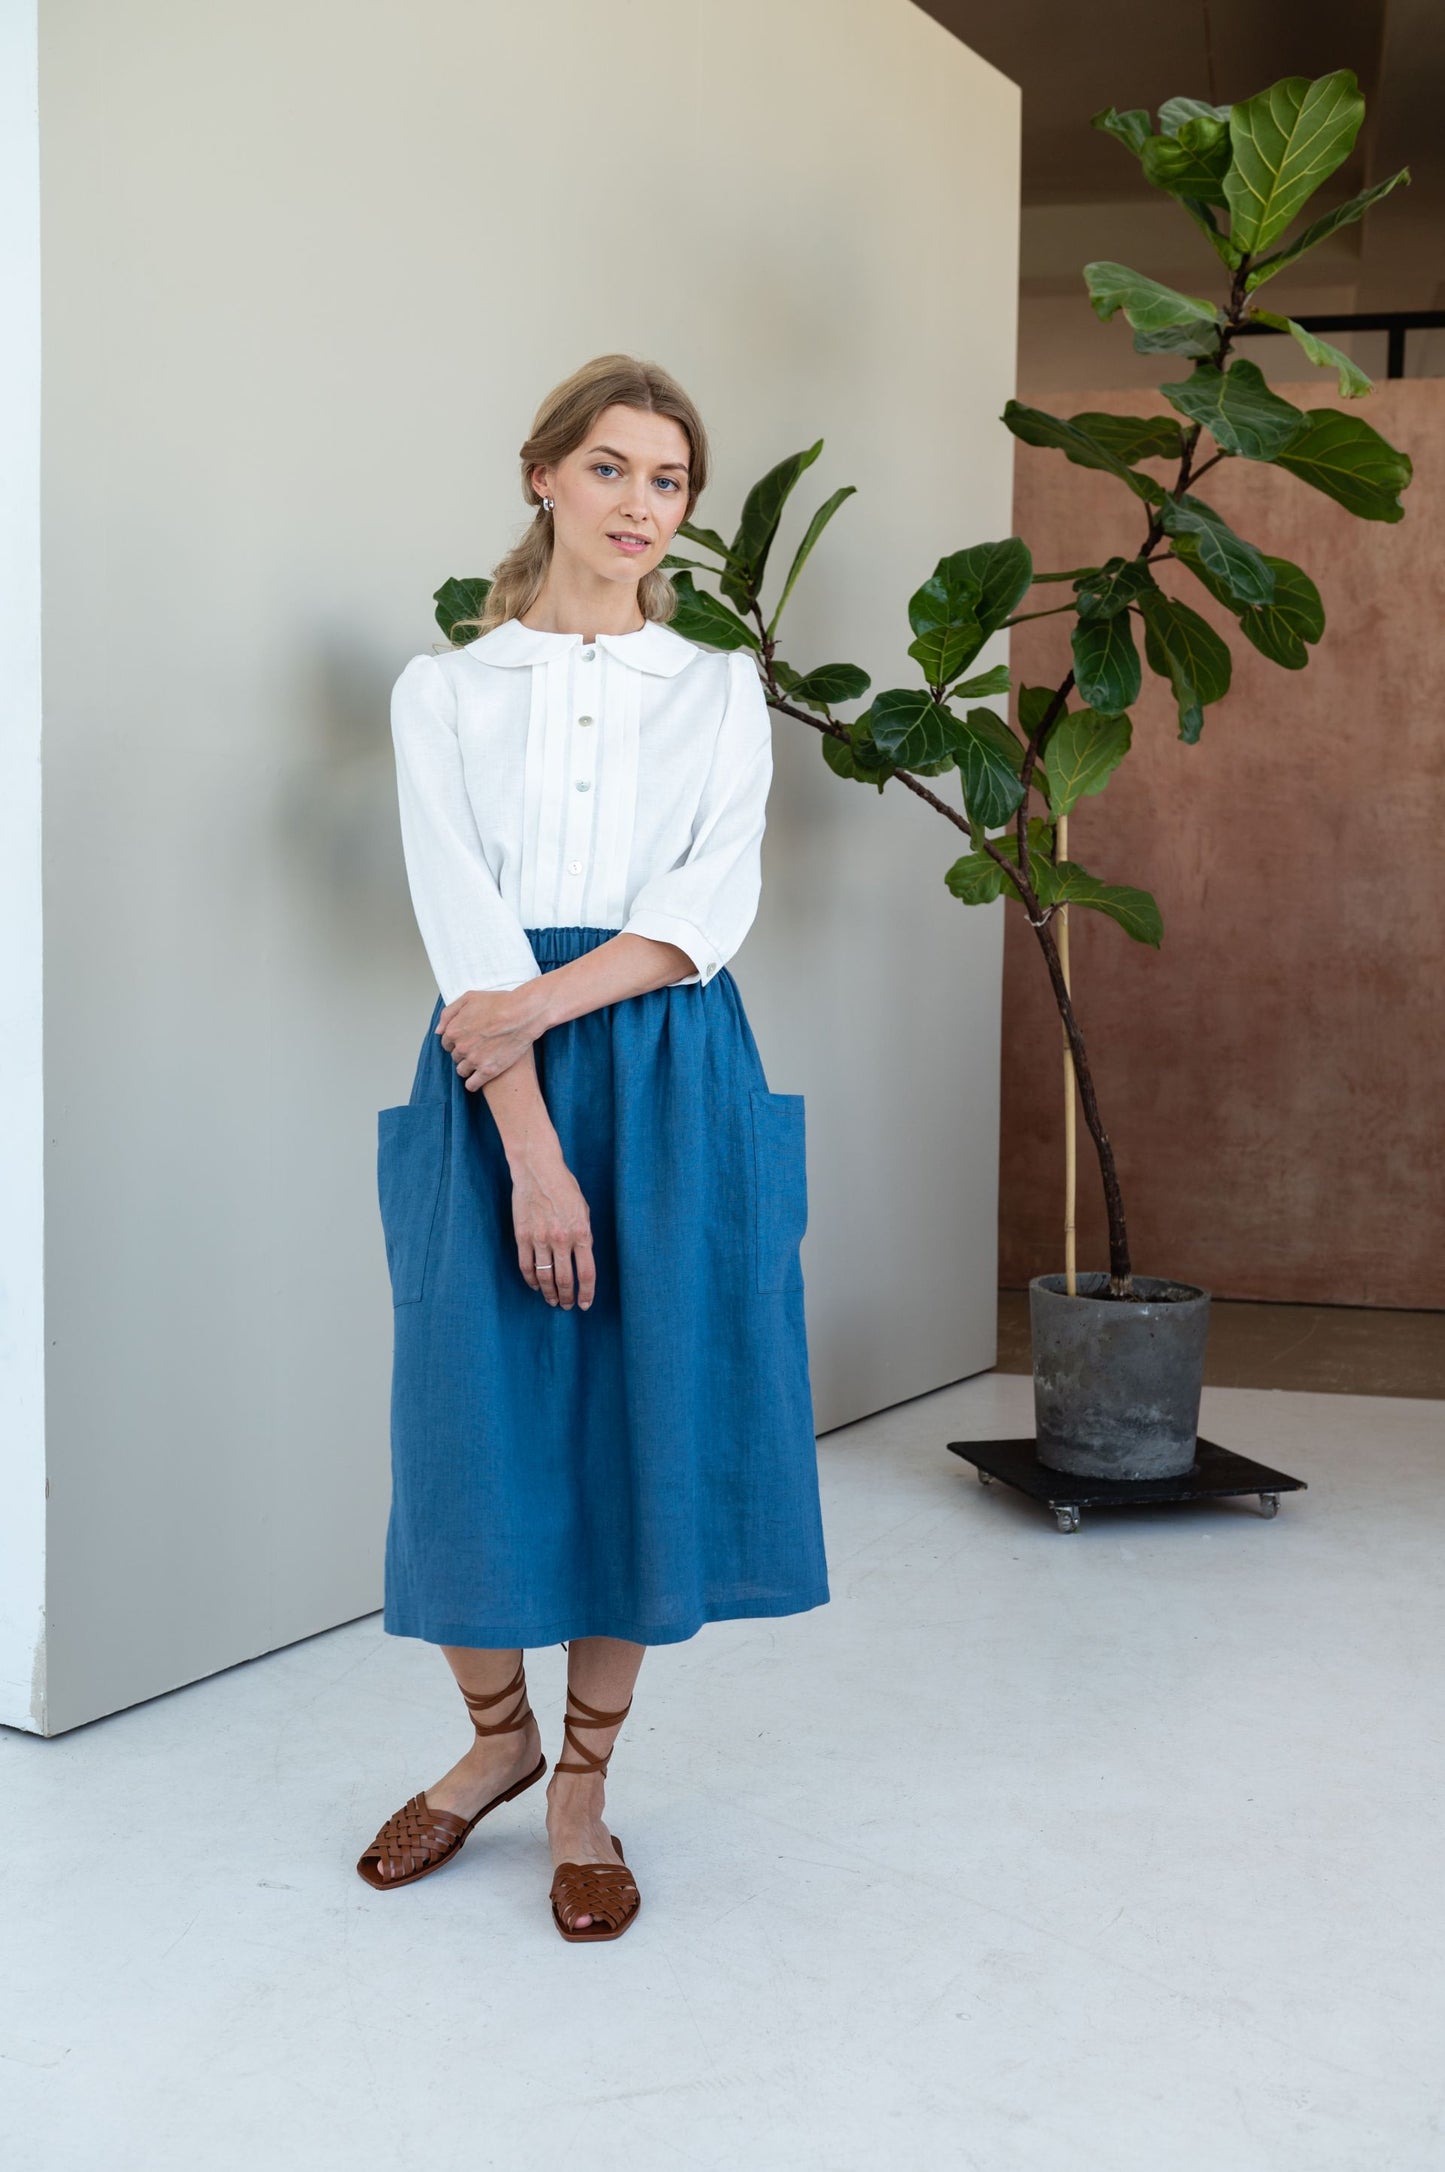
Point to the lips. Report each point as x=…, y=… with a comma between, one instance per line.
x=626, y=540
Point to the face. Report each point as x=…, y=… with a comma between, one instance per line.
x=628, y=480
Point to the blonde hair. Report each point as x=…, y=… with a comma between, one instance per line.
x=563, y=422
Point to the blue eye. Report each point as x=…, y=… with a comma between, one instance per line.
x=671, y=480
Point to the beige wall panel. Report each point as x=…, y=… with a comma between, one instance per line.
x=306, y=275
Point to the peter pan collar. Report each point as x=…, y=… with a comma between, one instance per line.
x=653, y=647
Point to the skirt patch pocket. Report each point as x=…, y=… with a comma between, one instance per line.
x=410, y=1155
x=780, y=1188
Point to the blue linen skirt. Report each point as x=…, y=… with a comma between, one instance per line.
x=649, y=1464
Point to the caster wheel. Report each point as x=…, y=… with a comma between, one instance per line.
x=1269, y=1504
x=1068, y=1518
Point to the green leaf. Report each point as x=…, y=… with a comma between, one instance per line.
x=1176, y=111
x=908, y=726
x=1034, y=705
x=1278, y=629
x=708, y=537
x=1184, y=648
x=976, y=879
x=1225, y=249
x=762, y=510
x=1342, y=456
x=996, y=681
x=820, y=688
x=1135, y=910
x=1106, y=663
x=1321, y=229
x=944, y=616
x=816, y=526
x=1352, y=380
x=670, y=561
x=1199, y=342
x=1041, y=840
x=1005, y=573
x=1148, y=306
x=458, y=600
x=989, y=759
x=1131, y=129
x=1084, y=749
x=1132, y=437
x=1233, y=562
x=1192, y=162
x=700, y=617
x=1035, y=426
x=856, y=759
x=966, y=598
x=1238, y=408
x=1108, y=589
x=1285, y=143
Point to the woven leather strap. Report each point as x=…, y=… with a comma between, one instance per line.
x=519, y=1718
x=605, y=1891
x=593, y=1762
x=415, y=1836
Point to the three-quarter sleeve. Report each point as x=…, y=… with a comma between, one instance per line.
x=707, y=903
x=472, y=936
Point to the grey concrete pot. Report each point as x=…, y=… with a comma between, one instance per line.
x=1117, y=1385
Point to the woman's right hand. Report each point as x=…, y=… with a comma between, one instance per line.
x=552, y=1224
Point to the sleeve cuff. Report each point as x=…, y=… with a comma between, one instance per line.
x=668, y=928
x=483, y=986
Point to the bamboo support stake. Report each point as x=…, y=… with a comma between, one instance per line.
x=1071, y=1166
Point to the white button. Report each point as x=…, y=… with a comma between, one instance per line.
x=574, y=867
x=584, y=784
x=587, y=655
x=584, y=720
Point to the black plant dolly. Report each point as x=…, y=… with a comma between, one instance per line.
x=1216, y=1474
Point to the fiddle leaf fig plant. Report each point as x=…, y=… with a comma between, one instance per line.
x=1242, y=174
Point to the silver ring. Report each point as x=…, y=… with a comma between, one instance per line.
x=544, y=1266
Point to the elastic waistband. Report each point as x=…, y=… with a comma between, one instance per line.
x=557, y=946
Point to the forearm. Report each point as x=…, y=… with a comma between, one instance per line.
x=627, y=965
x=520, y=1112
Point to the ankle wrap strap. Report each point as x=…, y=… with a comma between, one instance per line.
x=519, y=1717
x=596, y=1718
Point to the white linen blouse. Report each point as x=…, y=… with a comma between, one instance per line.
x=544, y=780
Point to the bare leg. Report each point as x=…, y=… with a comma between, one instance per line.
x=602, y=1671
x=493, y=1762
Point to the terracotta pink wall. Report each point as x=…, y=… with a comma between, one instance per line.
x=1273, y=1080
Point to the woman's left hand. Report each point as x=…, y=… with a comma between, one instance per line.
x=486, y=1030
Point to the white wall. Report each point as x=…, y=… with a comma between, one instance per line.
x=305, y=282
x=22, y=1108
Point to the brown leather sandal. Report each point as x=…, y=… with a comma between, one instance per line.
x=418, y=1839
x=606, y=1892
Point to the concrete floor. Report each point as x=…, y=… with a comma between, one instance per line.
x=1031, y=1852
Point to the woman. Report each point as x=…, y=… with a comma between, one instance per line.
x=601, y=1417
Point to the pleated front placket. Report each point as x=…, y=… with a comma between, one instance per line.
x=581, y=792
